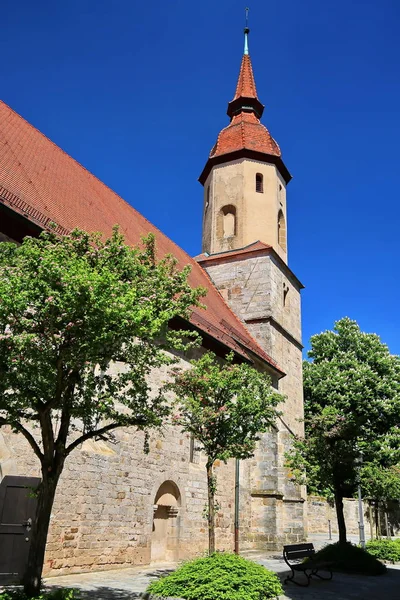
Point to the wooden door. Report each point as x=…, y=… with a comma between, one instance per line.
x=17, y=511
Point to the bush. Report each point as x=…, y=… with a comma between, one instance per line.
x=60, y=594
x=384, y=549
x=220, y=576
x=349, y=559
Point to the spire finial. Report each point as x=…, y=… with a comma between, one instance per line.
x=246, y=32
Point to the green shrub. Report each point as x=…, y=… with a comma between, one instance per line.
x=60, y=594
x=349, y=559
x=220, y=576
x=384, y=549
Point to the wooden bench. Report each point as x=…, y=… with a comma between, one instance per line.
x=294, y=556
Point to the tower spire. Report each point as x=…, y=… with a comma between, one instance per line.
x=246, y=33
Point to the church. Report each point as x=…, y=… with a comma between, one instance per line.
x=116, y=506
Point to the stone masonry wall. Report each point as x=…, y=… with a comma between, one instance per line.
x=105, y=503
x=320, y=512
x=266, y=297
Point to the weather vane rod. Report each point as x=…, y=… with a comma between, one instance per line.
x=246, y=32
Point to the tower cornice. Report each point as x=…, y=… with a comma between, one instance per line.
x=214, y=161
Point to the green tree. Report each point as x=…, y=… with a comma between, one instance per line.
x=380, y=484
x=224, y=406
x=352, y=407
x=70, y=307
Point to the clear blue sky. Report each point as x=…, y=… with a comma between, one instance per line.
x=137, y=92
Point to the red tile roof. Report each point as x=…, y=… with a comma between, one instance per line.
x=43, y=183
x=250, y=249
x=245, y=136
x=245, y=132
x=246, y=85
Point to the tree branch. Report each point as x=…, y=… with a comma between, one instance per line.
x=89, y=435
x=28, y=436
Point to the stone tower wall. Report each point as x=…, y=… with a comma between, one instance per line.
x=266, y=297
x=233, y=184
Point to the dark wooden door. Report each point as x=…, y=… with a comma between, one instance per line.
x=17, y=510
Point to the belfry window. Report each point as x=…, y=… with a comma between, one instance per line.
x=228, y=221
x=259, y=183
x=282, y=230
x=207, y=198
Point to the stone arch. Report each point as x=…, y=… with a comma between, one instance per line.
x=166, y=522
x=282, y=230
x=168, y=494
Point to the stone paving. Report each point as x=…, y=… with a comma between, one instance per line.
x=128, y=584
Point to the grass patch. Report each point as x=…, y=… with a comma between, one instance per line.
x=221, y=576
x=349, y=559
x=384, y=549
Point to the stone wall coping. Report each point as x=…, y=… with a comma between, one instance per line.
x=299, y=500
x=266, y=494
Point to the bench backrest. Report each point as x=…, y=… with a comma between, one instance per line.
x=298, y=551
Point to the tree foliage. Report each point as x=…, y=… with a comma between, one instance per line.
x=380, y=483
x=352, y=409
x=73, y=309
x=224, y=406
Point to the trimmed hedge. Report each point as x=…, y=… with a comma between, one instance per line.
x=349, y=559
x=221, y=576
x=60, y=594
x=384, y=549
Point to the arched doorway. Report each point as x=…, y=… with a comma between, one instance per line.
x=166, y=523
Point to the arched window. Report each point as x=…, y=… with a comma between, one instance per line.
x=207, y=198
x=259, y=183
x=228, y=221
x=282, y=230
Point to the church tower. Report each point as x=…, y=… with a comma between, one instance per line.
x=245, y=255
x=245, y=177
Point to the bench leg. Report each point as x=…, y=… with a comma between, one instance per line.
x=291, y=578
x=315, y=572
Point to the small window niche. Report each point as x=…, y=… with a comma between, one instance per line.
x=259, y=183
x=282, y=230
x=194, y=450
x=207, y=199
x=285, y=296
x=228, y=214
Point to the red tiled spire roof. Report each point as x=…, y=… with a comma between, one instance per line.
x=246, y=85
x=245, y=135
x=41, y=182
x=245, y=132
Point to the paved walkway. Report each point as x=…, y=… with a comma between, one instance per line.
x=128, y=584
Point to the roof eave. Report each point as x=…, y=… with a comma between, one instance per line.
x=246, y=252
x=245, y=153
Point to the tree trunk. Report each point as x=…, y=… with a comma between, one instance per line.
x=340, y=515
x=33, y=573
x=378, y=520
x=371, y=520
x=211, y=508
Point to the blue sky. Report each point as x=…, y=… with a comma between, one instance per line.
x=137, y=92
